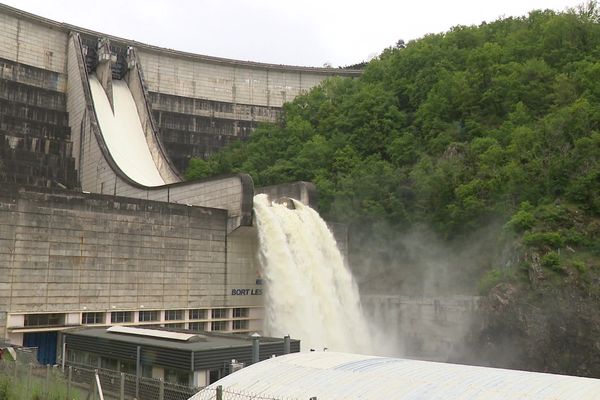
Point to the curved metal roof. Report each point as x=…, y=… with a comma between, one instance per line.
x=329, y=375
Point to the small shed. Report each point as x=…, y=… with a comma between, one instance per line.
x=182, y=357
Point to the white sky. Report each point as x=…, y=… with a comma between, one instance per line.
x=299, y=32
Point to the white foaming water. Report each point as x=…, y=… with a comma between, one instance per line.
x=310, y=293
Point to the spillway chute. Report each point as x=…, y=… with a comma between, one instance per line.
x=123, y=133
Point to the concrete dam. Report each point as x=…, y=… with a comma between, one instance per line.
x=97, y=226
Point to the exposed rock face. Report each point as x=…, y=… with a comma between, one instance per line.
x=549, y=329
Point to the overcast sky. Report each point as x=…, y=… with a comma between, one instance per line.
x=299, y=32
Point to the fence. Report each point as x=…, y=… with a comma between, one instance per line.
x=19, y=381
x=31, y=381
x=219, y=393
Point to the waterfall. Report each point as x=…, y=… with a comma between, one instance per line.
x=310, y=292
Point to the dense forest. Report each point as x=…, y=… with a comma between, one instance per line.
x=480, y=145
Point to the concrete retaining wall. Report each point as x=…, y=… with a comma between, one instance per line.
x=432, y=328
x=64, y=251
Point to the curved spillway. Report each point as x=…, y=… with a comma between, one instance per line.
x=123, y=133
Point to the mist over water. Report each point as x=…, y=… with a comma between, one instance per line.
x=310, y=292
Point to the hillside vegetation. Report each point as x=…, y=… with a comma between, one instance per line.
x=485, y=137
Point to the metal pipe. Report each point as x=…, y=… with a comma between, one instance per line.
x=255, y=348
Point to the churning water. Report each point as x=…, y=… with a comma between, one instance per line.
x=310, y=292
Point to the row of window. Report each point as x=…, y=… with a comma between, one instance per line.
x=154, y=315
x=119, y=317
x=78, y=357
x=237, y=325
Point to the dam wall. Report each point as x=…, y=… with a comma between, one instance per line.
x=198, y=103
x=83, y=243
x=68, y=254
x=202, y=103
x=35, y=141
x=432, y=328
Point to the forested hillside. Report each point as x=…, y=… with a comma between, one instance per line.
x=481, y=147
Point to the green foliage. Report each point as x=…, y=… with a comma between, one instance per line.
x=23, y=385
x=551, y=260
x=497, y=122
x=540, y=239
x=523, y=219
x=580, y=266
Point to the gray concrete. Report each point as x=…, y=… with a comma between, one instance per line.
x=306, y=192
x=431, y=328
x=68, y=253
x=122, y=245
x=234, y=95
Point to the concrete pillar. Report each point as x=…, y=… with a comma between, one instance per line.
x=104, y=68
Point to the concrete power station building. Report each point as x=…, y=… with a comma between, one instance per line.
x=97, y=226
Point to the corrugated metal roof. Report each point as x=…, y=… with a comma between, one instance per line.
x=331, y=376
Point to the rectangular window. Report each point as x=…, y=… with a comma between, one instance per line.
x=89, y=318
x=197, y=314
x=197, y=326
x=240, y=313
x=177, y=376
x=240, y=324
x=218, y=326
x=127, y=367
x=119, y=317
x=44, y=320
x=147, y=371
x=219, y=313
x=148, y=316
x=109, y=363
x=179, y=325
x=173, y=315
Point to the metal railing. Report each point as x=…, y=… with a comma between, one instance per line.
x=34, y=381
x=122, y=386
x=220, y=393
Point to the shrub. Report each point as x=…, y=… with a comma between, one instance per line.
x=551, y=261
x=580, y=266
x=521, y=221
x=539, y=239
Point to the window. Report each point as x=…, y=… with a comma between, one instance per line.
x=173, y=315
x=109, y=363
x=214, y=375
x=177, y=376
x=197, y=326
x=127, y=367
x=179, y=325
x=240, y=324
x=88, y=318
x=44, y=320
x=82, y=358
x=148, y=316
x=121, y=316
x=147, y=371
x=219, y=313
x=197, y=314
x=218, y=326
x=240, y=313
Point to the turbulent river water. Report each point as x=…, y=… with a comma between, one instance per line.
x=310, y=292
